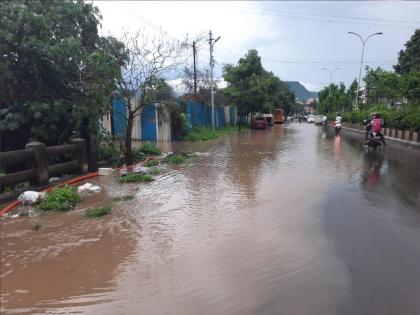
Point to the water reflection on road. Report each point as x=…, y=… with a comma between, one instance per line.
x=286, y=220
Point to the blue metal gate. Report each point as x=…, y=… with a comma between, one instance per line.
x=148, y=123
x=232, y=114
x=120, y=118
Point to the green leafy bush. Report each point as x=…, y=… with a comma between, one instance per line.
x=408, y=119
x=151, y=163
x=149, y=148
x=96, y=212
x=135, y=178
x=178, y=119
x=60, y=199
x=138, y=155
x=154, y=171
x=175, y=159
x=108, y=150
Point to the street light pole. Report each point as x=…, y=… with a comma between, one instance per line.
x=331, y=75
x=361, y=62
x=212, y=42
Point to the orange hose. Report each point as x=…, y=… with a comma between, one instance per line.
x=69, y=182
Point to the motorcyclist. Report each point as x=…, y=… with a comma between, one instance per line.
x=337, y=123
x=377, y=123
x=368, y=126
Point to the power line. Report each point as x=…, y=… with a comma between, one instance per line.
x=333, y=16
x=321, y=18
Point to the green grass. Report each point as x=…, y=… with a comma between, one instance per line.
x=96, y=212
x=201, y=133
x=149, y=148
x=136, y=178
x=123, y=198
x=60, y=199
x=175, y=159
x=151, y=163
x=154, y=171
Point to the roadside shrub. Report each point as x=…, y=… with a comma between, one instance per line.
x=136, y=178
x=149, y=148
x=108, y=150
x=178, y=120
x=151, y=163
x=60, y=199
x=96, y=212
x=411, y=120
x=174, y=159
x=398, y=119
x=154, y=171
x=138, y=155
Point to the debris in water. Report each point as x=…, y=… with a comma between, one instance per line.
x=53, y=179
x=89, y=188
x=104, y=171
x=31, y=197
x=141, y=169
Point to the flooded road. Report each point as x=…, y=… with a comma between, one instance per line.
x=279, y=221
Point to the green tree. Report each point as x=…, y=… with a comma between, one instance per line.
x=383, y=86
x=57, y=73
x=409, y=59
x=253, y=89
x=411, y=88
x=335, y=98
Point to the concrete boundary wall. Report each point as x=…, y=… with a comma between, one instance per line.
x=403, y=136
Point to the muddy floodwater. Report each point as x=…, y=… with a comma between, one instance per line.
x=286, y=220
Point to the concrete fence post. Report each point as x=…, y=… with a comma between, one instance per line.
x=40, y=163
x=81, y=154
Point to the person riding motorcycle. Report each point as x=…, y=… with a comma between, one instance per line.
x=374, y=124
x=377, y=123
x=368, y=126
x=337, y=123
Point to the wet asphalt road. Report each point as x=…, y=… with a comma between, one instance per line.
x=287, y=220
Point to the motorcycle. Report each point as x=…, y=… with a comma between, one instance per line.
x=337, y=128
x=374, y=140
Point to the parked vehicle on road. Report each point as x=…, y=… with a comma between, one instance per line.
x=319, y=120
x=269, y=118
x=278, y=116
x=258, y=122
x=311, y=119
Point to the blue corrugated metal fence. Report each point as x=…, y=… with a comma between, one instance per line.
x=148, y=123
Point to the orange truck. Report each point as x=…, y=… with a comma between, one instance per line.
x=278, y=116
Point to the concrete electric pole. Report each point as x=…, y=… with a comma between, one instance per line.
x=212, y=42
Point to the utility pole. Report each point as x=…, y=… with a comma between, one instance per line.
x=212, y=42
x=361, y=62
x=195, y=70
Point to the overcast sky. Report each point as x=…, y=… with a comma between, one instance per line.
x=294, y=39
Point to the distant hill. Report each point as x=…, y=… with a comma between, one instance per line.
x=300, y=91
